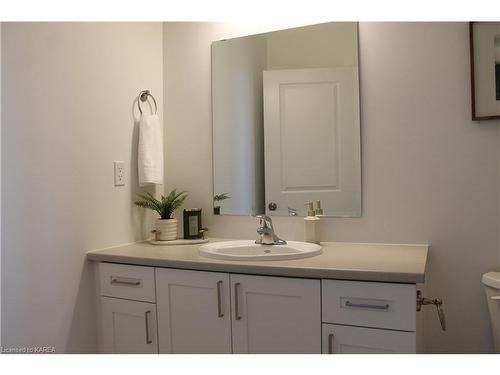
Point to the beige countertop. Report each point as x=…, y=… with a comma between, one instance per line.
x=340, y=260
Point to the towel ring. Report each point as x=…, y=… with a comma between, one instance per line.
x=143, y=97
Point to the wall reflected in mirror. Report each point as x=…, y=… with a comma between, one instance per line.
x=286, y=126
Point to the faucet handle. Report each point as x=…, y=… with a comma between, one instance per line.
x=262, y=217
x=267, y=231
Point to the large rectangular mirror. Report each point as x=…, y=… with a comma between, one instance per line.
x=286, y=127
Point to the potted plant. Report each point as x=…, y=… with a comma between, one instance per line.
x=166, y=226
x=219, y=198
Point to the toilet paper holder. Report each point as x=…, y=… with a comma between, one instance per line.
x=438, y=302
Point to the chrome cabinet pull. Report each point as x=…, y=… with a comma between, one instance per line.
x=330, y=343
x=237, y=315
x=125, y=281
x=146, y=318
x=367, y=306
x=219, y=299
x=496, y=298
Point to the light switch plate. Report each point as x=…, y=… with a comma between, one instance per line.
x=119, y=173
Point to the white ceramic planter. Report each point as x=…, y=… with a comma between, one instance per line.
x=166, y=230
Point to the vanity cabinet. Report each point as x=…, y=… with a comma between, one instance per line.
x=275, y=314
x=194, y=313
x=368, y=317
x=198, y=314
x=127, y=316
x=164, y=310
x=340, y=339
x=128, y=326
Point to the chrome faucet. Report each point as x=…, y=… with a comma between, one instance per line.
x=266, y=232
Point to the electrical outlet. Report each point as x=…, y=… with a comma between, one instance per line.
x=119, y=173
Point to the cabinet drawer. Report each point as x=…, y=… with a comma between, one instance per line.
x=338, y=339
x=368, y=304
x=130, y=282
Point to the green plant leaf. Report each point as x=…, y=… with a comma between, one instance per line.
x=165, y=206
x=221, y=197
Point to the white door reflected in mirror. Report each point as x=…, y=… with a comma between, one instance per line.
x=308, y=114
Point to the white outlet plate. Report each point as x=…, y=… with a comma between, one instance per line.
x=119, y=173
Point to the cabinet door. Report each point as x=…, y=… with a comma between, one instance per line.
x=275, y=315
x=339, y=339
x=128, y=327
x=193, y=311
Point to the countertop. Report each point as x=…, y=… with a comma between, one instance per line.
x=398, y=263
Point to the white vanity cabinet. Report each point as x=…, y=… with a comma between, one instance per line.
x=127, y=309
x=165, y=310
x=128, y=326
x=194, y=313
x=197, y=314
x=275, y=314
x=340, y=339
x=368, y=317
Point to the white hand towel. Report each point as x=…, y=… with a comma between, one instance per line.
x=150, y=154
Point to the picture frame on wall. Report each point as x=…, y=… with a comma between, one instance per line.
x=485, y=70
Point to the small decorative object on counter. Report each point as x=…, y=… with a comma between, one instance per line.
x=219, y=198
x=166, y=226
x=311, y=225
x=318, y=211
x=192, y=224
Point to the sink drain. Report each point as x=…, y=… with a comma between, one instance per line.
x=267, y=251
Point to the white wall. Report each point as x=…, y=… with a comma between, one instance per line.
x=321, y=46
x=430, y=174
x=239, y=165
x=69, y=113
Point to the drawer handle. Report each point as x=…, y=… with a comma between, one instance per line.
x=237, y=315
x=330, y=343
x=220, y=314
x=367, y=306
x=496, y=298
x=146, y=318
x=125, y=281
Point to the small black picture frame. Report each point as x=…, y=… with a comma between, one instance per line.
x=192, y=223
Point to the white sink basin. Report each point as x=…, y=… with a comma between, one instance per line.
x=249, y=250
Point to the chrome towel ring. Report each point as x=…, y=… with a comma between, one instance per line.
x=143, y=97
